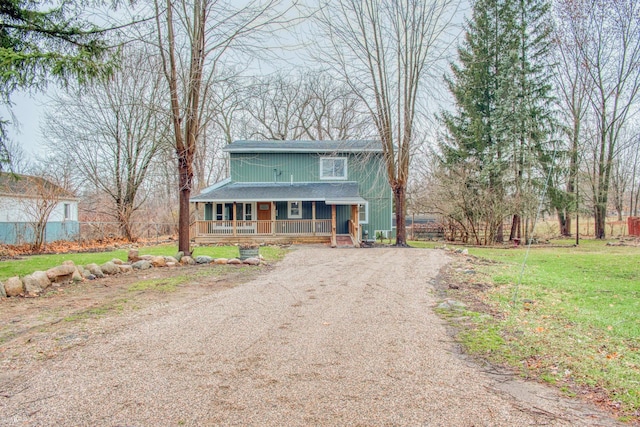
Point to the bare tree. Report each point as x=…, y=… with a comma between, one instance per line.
x=573, y=87
x=607, y=35
x=331, y=110
x=112, y=131
x=197, y=35
x=276, y=104
x=385, y=49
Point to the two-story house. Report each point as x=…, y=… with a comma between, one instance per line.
x=310, y=191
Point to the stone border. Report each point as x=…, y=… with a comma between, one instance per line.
x=32, y=285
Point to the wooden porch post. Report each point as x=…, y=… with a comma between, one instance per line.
x=197, y=231
x=313, y=217
x=273, y=218
x=333, y=226
x=355, y=217
x=234, y=218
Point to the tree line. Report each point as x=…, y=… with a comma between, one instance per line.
x=540, y=112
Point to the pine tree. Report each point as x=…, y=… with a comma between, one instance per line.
x=502, y=123
x=476, y=130
x=530, y=99
x=38, y=44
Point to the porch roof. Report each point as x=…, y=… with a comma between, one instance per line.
x=332, y=193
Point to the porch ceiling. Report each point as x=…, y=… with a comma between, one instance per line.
x=338, y=193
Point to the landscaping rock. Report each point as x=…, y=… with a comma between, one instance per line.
x=143, y=264
x=95, y=270
x=221, y=261
x=179, y=256
x=187, y=260
x=109, y=268
x=451, y=305
x=252, y=261
x=133, y=256
x=91, y=277
x=158, y=261
x=169, y=259
x=147, y=257
x=203, y=259
x=36, y=282
x=117, y=261
x=235, y=261
x=172, y=264
x=61, y=273
x=77, y=276
x=68, y=262
x=13, y=287
x=31, y=286
x=125, y=268
x=3, y=294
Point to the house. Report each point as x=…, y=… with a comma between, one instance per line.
x=302, y=191
x=29, y=203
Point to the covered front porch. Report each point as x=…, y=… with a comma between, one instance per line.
x=296, y=213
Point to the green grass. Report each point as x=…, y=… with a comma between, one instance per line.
x=29, y=264
x=583, y=326
x=99, y=311
x=169, y=284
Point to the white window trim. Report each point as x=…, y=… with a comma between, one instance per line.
x=289, y=215
x=366, y=213
x=346, y=174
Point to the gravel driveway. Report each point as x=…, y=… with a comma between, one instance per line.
x=328, y=337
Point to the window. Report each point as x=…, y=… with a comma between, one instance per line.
x=224, y=211
x=363, y=213
x=333, y=168
x=244, y=211
x=295, y=210
x=67, y=211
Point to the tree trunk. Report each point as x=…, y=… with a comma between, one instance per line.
x=399, y=197
x=186, y=178
x=565, y=223
x=600, y=215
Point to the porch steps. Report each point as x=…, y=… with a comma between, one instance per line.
x=344, y=241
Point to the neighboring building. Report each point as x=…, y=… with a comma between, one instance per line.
x=315, y=191
x=24, y=200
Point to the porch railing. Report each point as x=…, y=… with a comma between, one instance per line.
x=293, y=227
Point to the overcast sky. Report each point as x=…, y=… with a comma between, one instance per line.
x=30, y=109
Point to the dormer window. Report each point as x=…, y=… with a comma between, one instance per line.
x=333, y=168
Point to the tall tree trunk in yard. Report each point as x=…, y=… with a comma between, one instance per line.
x=384, y=50
x=209, y=29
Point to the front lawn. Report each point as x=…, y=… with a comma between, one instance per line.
x=572, y=320
x=29, y=264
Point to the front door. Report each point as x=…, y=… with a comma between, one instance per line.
x=264, y=218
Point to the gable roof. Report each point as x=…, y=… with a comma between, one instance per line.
x=338, y=193
x=304, y=146
x=16, y=185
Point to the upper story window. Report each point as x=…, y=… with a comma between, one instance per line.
x=333, y=168
x=67, y=211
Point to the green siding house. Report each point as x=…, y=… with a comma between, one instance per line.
x=312, y=191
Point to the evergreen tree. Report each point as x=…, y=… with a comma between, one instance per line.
x=502, y=123
x=530, y=100
x=476, y=130
x=38, y=44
